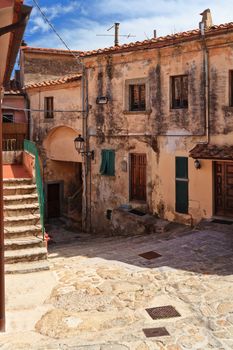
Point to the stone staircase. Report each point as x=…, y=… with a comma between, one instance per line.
x=25, y=251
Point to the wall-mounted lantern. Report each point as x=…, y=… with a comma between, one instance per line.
x=197, y=164
x=102, y=100
x=79, y=146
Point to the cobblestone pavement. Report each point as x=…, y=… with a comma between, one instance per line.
x=103, y=287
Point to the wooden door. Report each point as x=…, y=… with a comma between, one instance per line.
x=138, y=177
x=224, y=189
x=53, y=200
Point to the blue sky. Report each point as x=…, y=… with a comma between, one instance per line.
x=78, y=21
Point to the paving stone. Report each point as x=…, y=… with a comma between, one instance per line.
x=103, y=289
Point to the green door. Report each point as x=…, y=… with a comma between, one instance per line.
x=182, y=185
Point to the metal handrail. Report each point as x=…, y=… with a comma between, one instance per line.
x=31, y=148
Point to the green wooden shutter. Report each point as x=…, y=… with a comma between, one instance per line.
x=103, y=165
x=111, y=163
x=182, y=184
x=108, y=162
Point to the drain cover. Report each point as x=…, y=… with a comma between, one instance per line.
x=155, y=332
x=150, y=255
x=162, y=312
x=137, y=212
x=225, y=222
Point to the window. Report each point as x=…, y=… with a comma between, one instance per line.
x=179, y=91
x=137, y=100
x=231, y=88
x=8, y=118
x=182, y=184
x=48, y=107
x=107, y=162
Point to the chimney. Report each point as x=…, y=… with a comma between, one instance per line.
x=116, y=41
x=155, y=34
x=206, y=21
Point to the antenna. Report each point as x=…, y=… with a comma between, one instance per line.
x=117, y=27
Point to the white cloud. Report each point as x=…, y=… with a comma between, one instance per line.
x=140, y=18
x=39, y=24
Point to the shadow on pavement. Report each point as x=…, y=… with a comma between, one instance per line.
x=207, y=249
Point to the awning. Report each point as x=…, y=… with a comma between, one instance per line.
x=208, y=151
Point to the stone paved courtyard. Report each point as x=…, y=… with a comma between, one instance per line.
x=96, y=293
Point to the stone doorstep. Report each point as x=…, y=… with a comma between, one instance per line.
x=24, y=255
x=23, y=243
x=28, y=267
x=150, y=222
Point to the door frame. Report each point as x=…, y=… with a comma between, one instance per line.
x=214, y=186
x=61, y=195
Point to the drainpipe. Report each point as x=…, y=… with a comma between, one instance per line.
x=84, y=165
x=206, y=80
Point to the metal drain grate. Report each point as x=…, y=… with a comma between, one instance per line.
x=157, y=313
x=225, y=222
x=137, y=212
x=150, y=255
x=155, y=332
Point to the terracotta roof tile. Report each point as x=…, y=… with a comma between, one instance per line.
x=59, y=81
x=13, y=87
x=155, y=42
x=208, y=151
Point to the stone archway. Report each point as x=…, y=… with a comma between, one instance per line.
x=59, y=145
x=62, y=174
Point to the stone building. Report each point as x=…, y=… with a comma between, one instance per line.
x=56, y=119
x=159, y=121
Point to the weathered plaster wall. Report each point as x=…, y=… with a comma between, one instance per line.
x=43, y=66
x=16, y=102
x=55, y=136
x=160, y=132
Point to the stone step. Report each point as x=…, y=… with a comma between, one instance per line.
x=21, y=209
x=17, y=181
x=23, y=243
x=19, y=189
x=25, y=255
x=28, y=267
x=21, y=199
x=21, y=231
x=26, y=220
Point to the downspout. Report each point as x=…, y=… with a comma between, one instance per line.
x=206, y=80
x=84, y=132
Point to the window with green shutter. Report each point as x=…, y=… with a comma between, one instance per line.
x=107, y=162
x=182, y=185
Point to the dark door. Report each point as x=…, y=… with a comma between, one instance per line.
x=224, y=189
x=182, y=185
x=138, y=177
x=53, y=200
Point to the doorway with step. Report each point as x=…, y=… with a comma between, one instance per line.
x=138, y=177
x=54, y=194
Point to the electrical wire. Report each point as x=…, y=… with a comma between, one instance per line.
x=41, y=110
x=55, y=31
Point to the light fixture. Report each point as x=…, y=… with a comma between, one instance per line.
x=79, y=143
x=79, y=146
x=197, y=164
x=101, y=100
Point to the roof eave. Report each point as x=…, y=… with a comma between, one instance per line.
x=16, y=38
